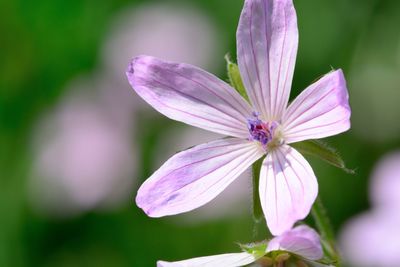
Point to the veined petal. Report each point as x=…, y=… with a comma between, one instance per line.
x=193, y=177
x=301, y=240
x=288, y=188
x=267, y=39
x=185, y=93
x=223, y=260
x=321, y=110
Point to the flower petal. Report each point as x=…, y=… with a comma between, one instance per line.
x=319, y=111
x=185, y=93
x=267, y=39
x=288, y=188
x=301, y=240
x=223, y=260
x=193, y=177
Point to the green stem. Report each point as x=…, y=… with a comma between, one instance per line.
x=257, y=210
x=324, y=226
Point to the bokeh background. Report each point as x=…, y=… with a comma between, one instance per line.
x=76, y=141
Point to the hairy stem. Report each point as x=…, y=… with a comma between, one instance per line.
x=257, y=210
x=325, y=228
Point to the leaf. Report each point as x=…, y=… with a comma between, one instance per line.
x=258, y=214
x=322, y=151
x=327, y=262
x=257, y=248
x=234, y=77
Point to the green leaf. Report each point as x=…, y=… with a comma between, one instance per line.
x=258, y=214
x=322, y=151
x=325, y=229
x=258, y=248
x=328, y=263
x=234, y=78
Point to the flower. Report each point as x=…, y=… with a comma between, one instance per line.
x=267, y=39
x=298, y=245
x=372, y=239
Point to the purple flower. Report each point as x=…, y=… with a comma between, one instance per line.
x=267, y=40
x=301, y=244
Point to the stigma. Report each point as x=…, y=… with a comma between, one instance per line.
x=268, y=134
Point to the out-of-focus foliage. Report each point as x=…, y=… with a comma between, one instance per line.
x=45, y=45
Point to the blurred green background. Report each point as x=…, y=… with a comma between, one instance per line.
x=58, y=56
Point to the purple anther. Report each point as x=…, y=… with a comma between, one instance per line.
x=261, y=131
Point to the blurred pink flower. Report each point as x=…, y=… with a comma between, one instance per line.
x=267, y=39
x=83, y=158
x=302, y=243
x=373, y=238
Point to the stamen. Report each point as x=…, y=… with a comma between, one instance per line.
x=264, y=132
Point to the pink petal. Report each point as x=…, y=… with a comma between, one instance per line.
x=193, y=177
x=301, y=240
x=288, y=188
x=223, y=260
x=319, y=111
x=267, y=39
x=185, y=93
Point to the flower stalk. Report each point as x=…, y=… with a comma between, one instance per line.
x=324, y=226
x=258, y=214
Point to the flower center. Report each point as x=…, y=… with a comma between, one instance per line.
x=267, y=133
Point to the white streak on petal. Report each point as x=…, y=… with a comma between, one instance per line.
x=321, y=110
x=194, y=177
x=267, y=39
x=288, y=188
x=223, y=260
